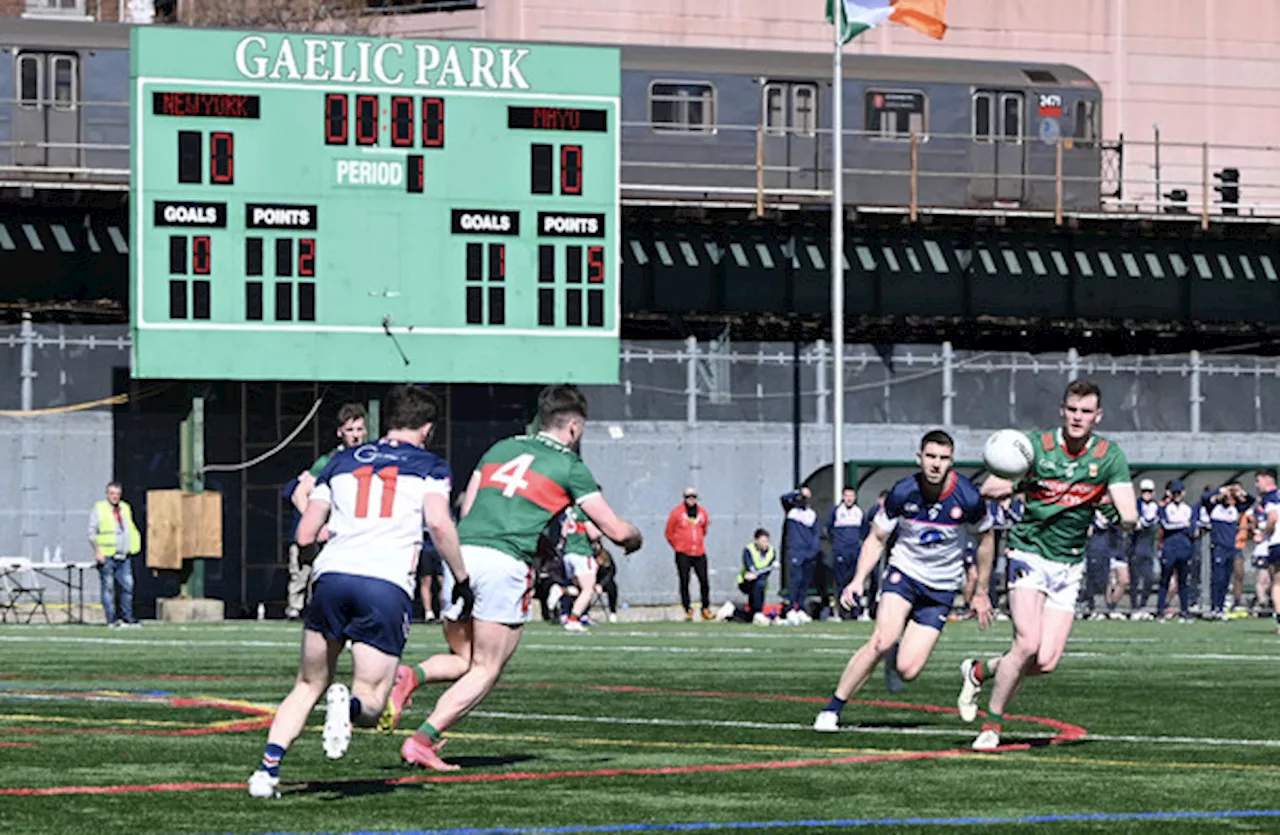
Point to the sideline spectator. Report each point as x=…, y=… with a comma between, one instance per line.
x=1224, y=507
x=430, y=580
x=1178, y=524
x=115, y=540
x=802, y=545
x=687, y=533
x=351, y=432
x=1142, y=551
x=844, y=529
x=759, y=558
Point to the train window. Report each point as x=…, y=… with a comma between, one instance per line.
x=690, y=257
x=64, y=82
x=913, y=259
x=739, y=254
x=936, y=257
x=1011, y=117
x=891, y=259
x=1059, y=262
x=1130, y=265
x=1226, y=267
x=682, y=106
x=865, y=256
x=664, y=254
x=1040, y=76
x=988, y=263
x=982, y=116
x=1082, y=261
x=766, y=259
x=1154, y=265
x=895, y=114
x=804, y=110
x=30, y=80
x=1248, y=268
x=1268, y=268
x=1086, y=122
x=775, y=109
x=1108, y=266
x=1179, y=265
x=1202, y=265
x=1011, y=261
x=1037, y=262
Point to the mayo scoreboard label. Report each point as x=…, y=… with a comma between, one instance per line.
x=314, y=207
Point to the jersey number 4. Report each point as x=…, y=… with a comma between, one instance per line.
x=511, y=475
x=364, y=478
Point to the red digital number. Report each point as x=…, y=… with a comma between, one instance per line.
x=201, y=255
x=402, y=121
x=335, y=119
x=595, y=265
x=222, y=158
x=366, y=120
x=433, y=123
x=307, y=257
x=364, y=478
x=571, y=169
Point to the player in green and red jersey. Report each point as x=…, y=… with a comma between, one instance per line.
x=1073, y=472
x=580, y=538
x=520, y=484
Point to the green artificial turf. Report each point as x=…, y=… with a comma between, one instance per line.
x=89, y=707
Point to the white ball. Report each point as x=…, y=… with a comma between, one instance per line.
x=1008, y=454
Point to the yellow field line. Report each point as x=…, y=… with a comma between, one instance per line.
x=1134, y=763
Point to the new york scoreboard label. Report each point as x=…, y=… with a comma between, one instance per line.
x=341, y=190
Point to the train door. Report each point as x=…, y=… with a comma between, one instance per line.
x=789, y=114
x=998, y=149
x=46, y=122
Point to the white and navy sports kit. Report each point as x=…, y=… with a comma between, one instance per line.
x=926, y=563
x=844, y=528
x=366, y=572
x=1269, y=502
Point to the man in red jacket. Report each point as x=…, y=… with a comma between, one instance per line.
x=687, y=533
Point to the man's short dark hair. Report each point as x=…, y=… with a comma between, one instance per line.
x=937, y=436
x=1082, y=388
x=116, y=484
x=558, y=404
x=849, y=487
x=1268, y=471
x=351, y=411
x=759, y=533
x=410, y=407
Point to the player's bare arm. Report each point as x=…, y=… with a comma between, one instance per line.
x=868, y=559
x=616, y=529
x=593, y=533
x=301, y=493
x=473, y=486
x=1273, y=517
x=996, y=488
x=435, y=512
x=986, y=557
x=1126, y=503
x=313, y=519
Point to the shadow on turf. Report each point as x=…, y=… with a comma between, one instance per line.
x=342, y=789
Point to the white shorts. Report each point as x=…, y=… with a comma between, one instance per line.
x=1118, y=564
x=575, y=564
x=503, y=586
x=1059, y=582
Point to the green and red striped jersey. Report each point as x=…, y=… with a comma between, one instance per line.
x=1062, y=492
x=524, y=482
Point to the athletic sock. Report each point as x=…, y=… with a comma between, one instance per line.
x=835, y=705
x=271, y=757
x=419, y=675
x=356, y=708
x=429, y=731
x=984, y=670
x=994, y=721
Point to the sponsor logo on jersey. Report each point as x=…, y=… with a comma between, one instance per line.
x=931, y=536
x=1066, y=493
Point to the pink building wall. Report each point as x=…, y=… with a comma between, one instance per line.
x=1204, y=70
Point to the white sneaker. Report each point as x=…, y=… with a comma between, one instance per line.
x=803, y=617
x=726, y=611
x=969, y=690
x=613, y=617
x=987, y=741
x=262, y=785
x=760, y=619
x=337, y=721
x=574, y=625
x=1116, y=615
x=827, y=721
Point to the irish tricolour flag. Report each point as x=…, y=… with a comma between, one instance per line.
x=857, y=16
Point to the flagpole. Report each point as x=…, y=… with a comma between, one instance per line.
x=837, y=249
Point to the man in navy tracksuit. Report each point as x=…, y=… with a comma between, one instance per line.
x=1224, y=507
x=1142, y=550
x=802, y=546
x=1179, y=523
x=844, y=529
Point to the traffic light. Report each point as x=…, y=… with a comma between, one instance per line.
x=1230, y=190
x=1177, y=204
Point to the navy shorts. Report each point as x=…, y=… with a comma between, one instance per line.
x=363, y=610
x=1273, y=555
x=929, y=606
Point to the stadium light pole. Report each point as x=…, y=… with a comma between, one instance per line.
x=837, y=254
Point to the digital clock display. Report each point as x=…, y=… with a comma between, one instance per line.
x=346, y=208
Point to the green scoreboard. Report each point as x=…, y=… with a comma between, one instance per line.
x=316, y=207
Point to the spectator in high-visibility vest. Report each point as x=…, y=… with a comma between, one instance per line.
x=759, y=558
x=115, y=539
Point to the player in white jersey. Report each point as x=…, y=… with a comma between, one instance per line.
x=1269, y=498
x=376, y=499
x=934, y=512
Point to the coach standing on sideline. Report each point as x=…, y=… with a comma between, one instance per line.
x=115, y=539
x=687, y=533
x=802, y=544
x=844, y=529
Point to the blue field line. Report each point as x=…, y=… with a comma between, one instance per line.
x=845, y=823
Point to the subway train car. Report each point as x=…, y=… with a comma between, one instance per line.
x=697, y=124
